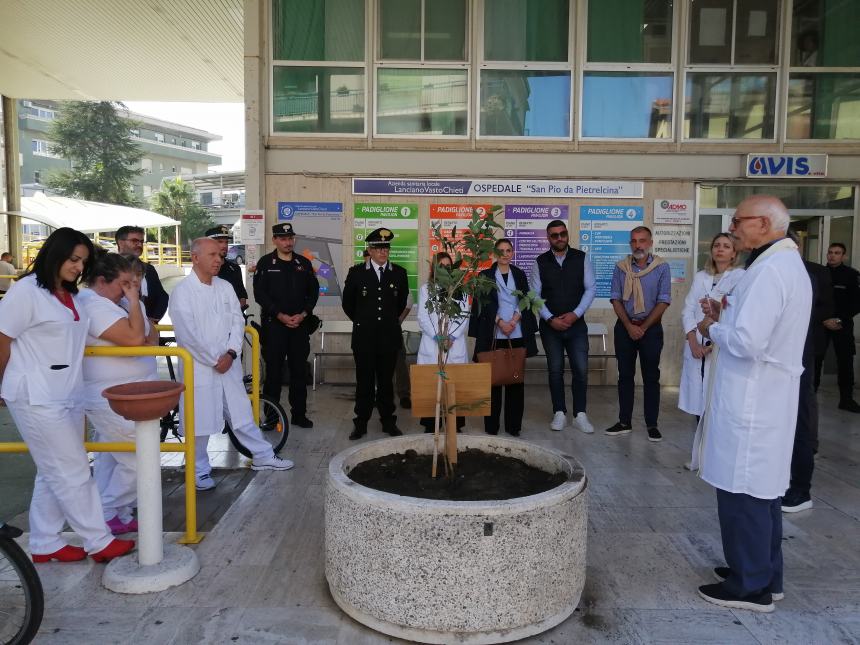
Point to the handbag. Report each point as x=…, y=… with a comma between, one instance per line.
x=508, y=364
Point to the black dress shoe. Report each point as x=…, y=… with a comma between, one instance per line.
x=357, y=434
x=492, y=432
x=850, y=405
x=302, y=422
x=513, y=433
x=394, y=431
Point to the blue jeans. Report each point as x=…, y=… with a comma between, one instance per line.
x=648, y=349
x=574, y=341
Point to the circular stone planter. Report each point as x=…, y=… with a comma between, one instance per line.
x=456, y=572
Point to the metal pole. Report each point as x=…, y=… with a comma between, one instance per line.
x=13, y=177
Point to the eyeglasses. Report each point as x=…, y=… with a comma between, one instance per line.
x=556, y=236
x=134, y=240
x=736, y=221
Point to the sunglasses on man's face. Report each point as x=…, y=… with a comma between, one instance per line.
x=558, y=236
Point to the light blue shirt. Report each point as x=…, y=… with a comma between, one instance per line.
x=588, y=284
x=507, y=303
x=656, y=287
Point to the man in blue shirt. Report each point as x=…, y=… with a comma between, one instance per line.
x=564, y=278
x=641, y=291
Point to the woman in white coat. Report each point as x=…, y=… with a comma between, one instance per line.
x=429, y=324
x=117, y=318
x=719, y=276
x=43, y=330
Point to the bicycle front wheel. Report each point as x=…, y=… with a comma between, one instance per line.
x=273, y=423
x=21, y=599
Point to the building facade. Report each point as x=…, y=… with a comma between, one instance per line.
x=169, y=149
x=608, y=112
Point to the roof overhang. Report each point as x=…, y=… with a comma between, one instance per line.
x=137, y=50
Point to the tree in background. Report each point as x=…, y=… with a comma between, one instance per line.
x=176, y=199
x=98, y=142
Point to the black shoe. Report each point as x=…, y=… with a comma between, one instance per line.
x=302, y=421
x=492, y=432
x=406, y=403
x=513, y=433
x=722, y=574
x=719, y=595
x=619, y=429
x=359, y=431
x=793, y=501
x=654, y=434
x=850, y=405
x=394, y=431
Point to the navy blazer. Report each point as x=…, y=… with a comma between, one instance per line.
x=482, y=323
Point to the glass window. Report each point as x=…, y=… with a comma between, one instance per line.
x=713, y=27
x=709, y=227
x=521, y=103
x=438, y=25
x=824, y=33
x=318, y=30
x=319, y=99
x=146, y=165
x=526, y=30
x=824, y=106
x=730, y=106
x=627, y=105
x=422, y=101
x=630, y=31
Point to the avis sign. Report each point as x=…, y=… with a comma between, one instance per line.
x=794, y=166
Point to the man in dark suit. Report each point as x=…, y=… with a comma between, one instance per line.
x=374, y=296
x=130, y=240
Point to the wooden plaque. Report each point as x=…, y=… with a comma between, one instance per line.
x=472, y=383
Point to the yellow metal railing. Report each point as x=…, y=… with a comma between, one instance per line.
x=7, y=277
x=161, y=253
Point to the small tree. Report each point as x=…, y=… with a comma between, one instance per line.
x=446, y=290
x=97, y=140
x=176, y=199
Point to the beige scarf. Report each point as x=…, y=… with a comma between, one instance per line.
x=632, y=284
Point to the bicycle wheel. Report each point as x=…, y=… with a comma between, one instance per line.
x=273, y=423
x=21, y=600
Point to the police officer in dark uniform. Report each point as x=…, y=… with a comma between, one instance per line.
x=840, y=329
x=374, y=297
x=230, y=271
x=287, y=291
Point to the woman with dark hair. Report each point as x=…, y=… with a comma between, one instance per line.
x=117, y=317
x=499, y=321
x=428, y=322
x=43, y=330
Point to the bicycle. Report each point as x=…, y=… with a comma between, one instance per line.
x=273, y=418
x=22, y=601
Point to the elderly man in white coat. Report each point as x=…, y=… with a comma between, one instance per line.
x=208, y=323
x=744, y=442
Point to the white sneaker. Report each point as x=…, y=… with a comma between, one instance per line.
x=584, y=424
x=272, y=463
x=204, y=482
x=559, y=420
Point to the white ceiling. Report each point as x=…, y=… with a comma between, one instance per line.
x=137, y=50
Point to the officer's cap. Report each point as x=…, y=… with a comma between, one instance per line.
x=380, y=238
x=221, y=232
x=283, y=228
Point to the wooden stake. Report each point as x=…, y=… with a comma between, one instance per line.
x=451, y=423
x=437, y=417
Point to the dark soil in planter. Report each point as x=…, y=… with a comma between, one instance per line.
x=480, y=476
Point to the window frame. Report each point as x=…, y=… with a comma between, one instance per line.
x=369, y=6
x=670, y=68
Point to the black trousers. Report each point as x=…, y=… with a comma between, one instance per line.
x=805, y=436
x=514, y=402
x=843, y=345
x=281, y=342
x=374, y=386
x=648, y=349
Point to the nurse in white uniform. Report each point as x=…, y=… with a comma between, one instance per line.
x=43, y=329
x=209, y=324
x=429, y=325
x=116, y=317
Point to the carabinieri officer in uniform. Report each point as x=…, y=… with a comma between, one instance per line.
x=230, y=270
x=374, y=296
x=287, y=291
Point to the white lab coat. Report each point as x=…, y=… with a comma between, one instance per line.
x=429, y=324
x=691, y=397
x=745, y=439
x=207, y=322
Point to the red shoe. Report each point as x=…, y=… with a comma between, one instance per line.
x=68, y=553
x=113, y=550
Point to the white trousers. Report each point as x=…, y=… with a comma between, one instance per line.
x=249, y=434
x=64, y=490
x=115, y=473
